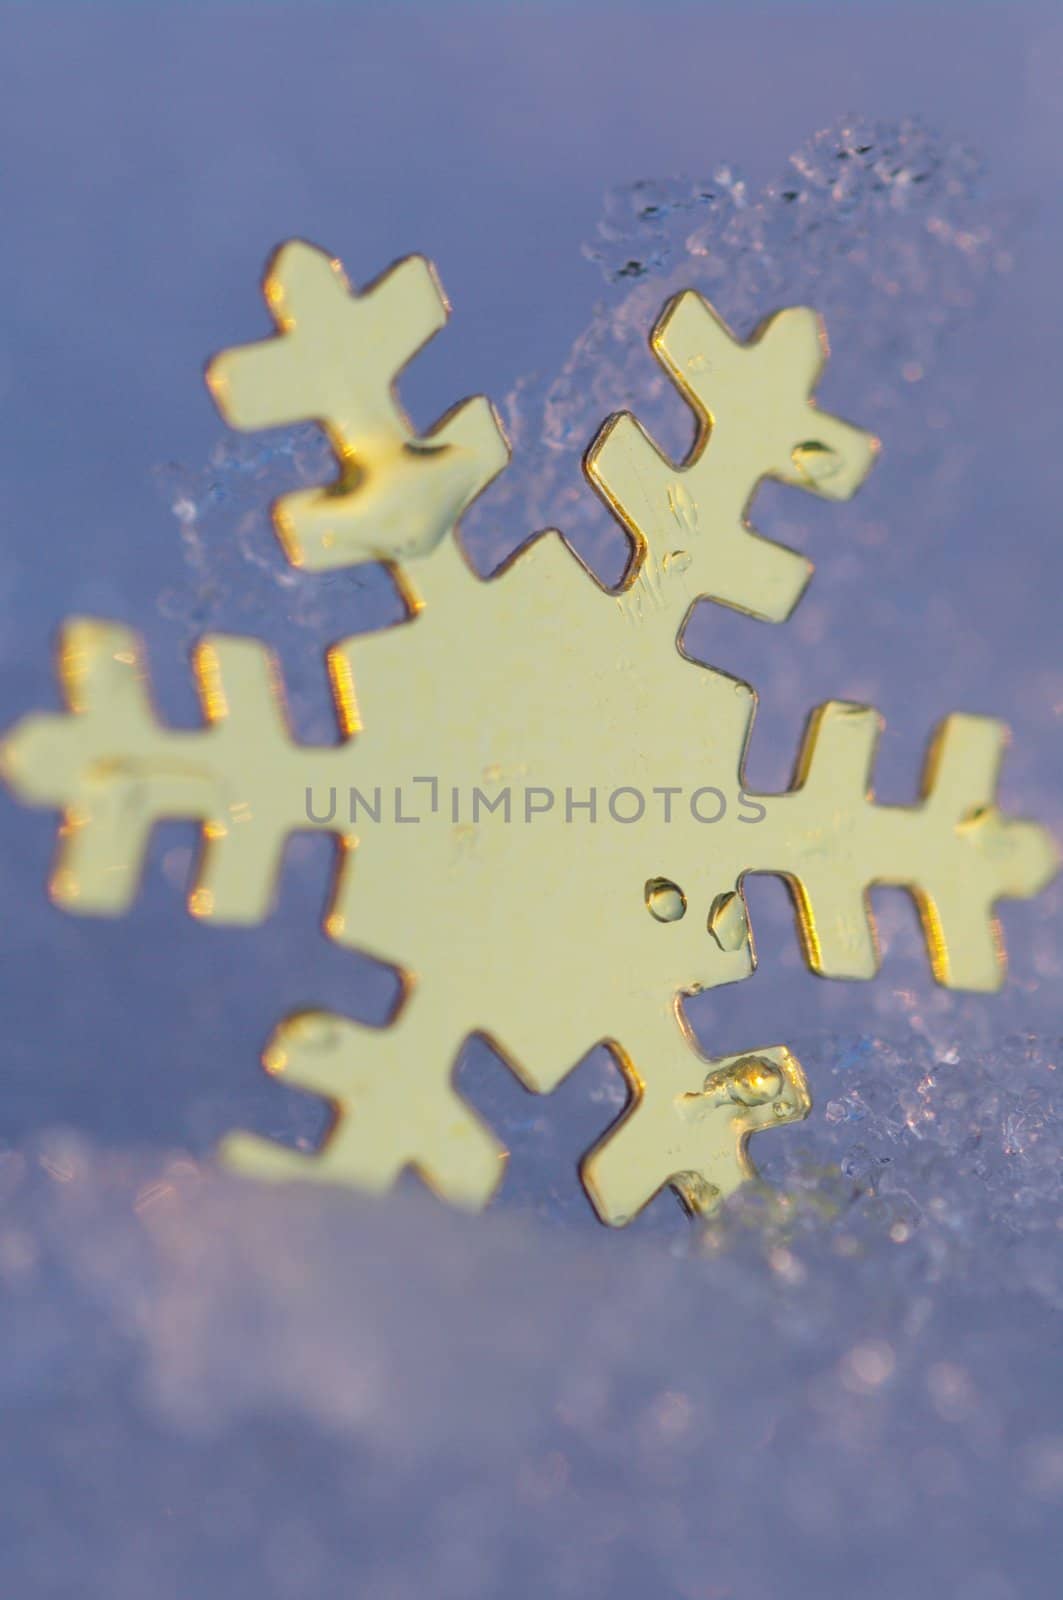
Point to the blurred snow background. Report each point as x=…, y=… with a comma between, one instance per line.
x=849, y=1384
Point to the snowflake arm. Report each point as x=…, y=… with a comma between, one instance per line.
x=114, y=771
x=756, y=419
x=955, y=851
x=689, y=1122
x=335, y=360
x=394, y=1107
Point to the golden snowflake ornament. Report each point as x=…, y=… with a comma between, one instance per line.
x=528, y=762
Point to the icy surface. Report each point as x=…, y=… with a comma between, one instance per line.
x=302, y=1393
x=850, y=1383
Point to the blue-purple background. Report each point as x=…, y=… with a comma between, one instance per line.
x=403, y=1403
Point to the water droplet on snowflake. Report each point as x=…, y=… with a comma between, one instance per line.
x=817, y=463
x=728, y=922
x=665, y=900
x=676, y=560
x=754, y=1082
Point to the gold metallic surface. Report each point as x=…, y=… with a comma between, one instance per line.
x=335, y=360
x=546, y=927
x=756, y=419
